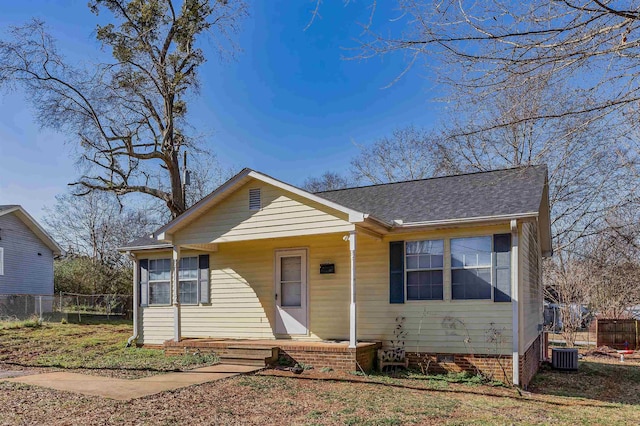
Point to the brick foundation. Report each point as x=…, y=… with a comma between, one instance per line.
x=337, y=356
x=340, y=359
x=492, y=366
x=530, y=362
x=496, y=367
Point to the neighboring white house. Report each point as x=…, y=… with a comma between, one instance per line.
x=26, y=254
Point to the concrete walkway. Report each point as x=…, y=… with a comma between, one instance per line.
x=124, y=390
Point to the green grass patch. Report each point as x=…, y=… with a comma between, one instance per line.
x=33, y=322
x=97, y=346
x=436, y=380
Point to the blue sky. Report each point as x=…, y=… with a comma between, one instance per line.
x=289, y=105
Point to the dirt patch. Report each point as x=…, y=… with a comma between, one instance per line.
x=602, y=391
x=275, y=398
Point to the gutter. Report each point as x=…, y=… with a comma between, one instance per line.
x=149, y=247
x=387, y=226
x=136, y=301
x=399, y=225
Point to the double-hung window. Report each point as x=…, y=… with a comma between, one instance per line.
x=193, y=281
x=188, y=278
x=480, y=269
x=471, y=267
x=424, y=266
x=159, y=281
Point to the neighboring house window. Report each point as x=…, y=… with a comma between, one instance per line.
x=1, y=261
x=424, y=268
x=255, y=201
x=188, y=277
x=471, y=268
x=159, y=281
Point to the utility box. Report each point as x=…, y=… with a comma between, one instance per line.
x=564, y=358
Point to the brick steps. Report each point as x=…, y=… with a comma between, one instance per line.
x=246, y=355
x=244, y=361
x=260, y=353
x=264, y=352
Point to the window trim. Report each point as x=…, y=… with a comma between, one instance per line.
x=459, y=268
x=407, y=270
x=1, y=260
x=180, y=280
x=150, y=281
x=398, y=281
x=196, y=280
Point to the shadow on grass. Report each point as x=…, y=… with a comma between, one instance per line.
x=65, y=367
x=607, y=382
x=89, y=319
x=486, y=391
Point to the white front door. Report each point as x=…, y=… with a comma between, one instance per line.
x=291, y=291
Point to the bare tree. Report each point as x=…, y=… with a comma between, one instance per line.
x=95, y=225
x=126, y=117
x=567, y=281
x=614, y=263
x=206, y=174
x=408, y=153
x=91, y=228
x=329, y=181
x=589, y=168
x=591, y=46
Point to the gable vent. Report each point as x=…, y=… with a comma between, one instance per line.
x=255, y=202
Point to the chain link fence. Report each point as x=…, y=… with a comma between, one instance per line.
x=68, y=306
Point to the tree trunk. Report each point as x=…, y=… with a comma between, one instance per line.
x=176, y=202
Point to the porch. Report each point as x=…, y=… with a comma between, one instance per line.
x=319, y=354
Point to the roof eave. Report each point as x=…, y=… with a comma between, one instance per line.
x=164, y=233
x=466, y=220
x=166, y=229
x=354, y=215
x=36, y=229
x=143, y=248
x=544, y=220
x=378, y=222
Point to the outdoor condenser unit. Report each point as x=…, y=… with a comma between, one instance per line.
x=564, y=358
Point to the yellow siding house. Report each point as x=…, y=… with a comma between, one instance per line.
x=448, y=268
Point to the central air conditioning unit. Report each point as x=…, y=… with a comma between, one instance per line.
x=564, y=358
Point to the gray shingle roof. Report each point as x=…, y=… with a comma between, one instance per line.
x=494, y=193
x=144, y=241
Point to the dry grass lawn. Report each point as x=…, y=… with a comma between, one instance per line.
x=600, y=393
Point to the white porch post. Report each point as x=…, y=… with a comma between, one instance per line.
x=352, y=306
x=514, y=303
x=176, y=292
x=136, y=296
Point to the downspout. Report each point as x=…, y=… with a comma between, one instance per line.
x=515, y=326
x=136, y=300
